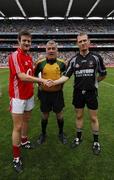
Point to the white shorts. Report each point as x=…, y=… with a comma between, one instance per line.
x=18, y=106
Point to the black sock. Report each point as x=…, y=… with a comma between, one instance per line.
x=60, y=123
x=95, y=136
x=79, y=133
x=44, y=123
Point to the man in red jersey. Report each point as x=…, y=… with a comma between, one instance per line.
x=21, y=95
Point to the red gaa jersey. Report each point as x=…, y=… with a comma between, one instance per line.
x=20, y=62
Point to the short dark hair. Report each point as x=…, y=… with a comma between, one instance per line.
x=82, y=34
x=24, y=33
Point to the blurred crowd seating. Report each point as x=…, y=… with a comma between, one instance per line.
x=108, y=56
x=56, y=26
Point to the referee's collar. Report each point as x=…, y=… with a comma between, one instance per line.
x=51, y=61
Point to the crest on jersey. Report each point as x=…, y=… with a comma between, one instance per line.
x=26, y=63
x=57, y=69
x=91, y=64
x=77, y=65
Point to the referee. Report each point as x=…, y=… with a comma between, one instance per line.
x=51, y=98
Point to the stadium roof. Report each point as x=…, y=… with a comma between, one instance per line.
x=56, y=8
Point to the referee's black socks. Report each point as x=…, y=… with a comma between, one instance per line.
x=44, y=123
x=60, y=123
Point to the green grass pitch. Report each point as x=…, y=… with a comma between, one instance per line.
x=52, y=160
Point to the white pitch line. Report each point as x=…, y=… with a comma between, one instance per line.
x=109, y=73
x=1, y=72
x=112, y=85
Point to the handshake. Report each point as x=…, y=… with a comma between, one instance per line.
x=49, y=83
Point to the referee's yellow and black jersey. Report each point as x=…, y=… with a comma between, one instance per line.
x=50, y=69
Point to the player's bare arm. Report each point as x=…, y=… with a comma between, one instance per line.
x=25, y=77
x=61, y=80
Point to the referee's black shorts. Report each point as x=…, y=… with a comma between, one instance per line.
x=51, y=101
x=82, y=98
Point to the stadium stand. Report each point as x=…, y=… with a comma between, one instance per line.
x=56, y=27
x=63, y=33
